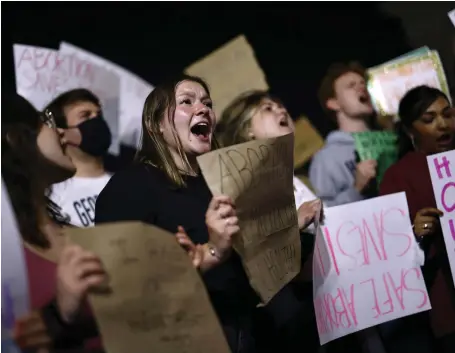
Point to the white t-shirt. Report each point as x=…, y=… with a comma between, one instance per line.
x=77, y=196
x=302, y=193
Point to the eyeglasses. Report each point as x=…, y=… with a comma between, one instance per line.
x=48, y=118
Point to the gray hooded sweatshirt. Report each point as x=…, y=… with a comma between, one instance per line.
x=332, y=170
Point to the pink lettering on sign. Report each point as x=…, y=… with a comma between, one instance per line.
x=447, y=202
x=363, y=241
x=337, y=309
x=447, y=207
x=48, y=70
x=366, y=267
x=445, y=164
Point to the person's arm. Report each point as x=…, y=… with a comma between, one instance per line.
x=323, y=177
x=67, y=336
x=393, y=183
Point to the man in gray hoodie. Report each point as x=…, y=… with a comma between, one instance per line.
x=334, y=173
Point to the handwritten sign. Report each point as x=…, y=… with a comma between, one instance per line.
x=378, y=145
x=442, y=171
x=307, y=141
x=229, y=71
x=388, y=83
x=258, y=176
x=42, y=74
x=15, y=297
x=155, y=298
x=133, y=92
x=366, y=267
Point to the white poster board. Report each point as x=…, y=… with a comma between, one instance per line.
x=442, y=171
x=42, y=74
x=133, y=92
x=15, y=294
x=366, y=267
x=452, y=16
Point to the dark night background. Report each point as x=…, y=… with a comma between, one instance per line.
x=294, y=41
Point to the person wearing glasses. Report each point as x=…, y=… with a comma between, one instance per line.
x=87, y=137
x=59, y=275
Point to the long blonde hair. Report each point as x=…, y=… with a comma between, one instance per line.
x=154, y=150
x=235, y=120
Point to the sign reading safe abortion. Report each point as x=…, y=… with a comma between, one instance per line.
x=258, y=176
x=366, y=267
x=154, y=298
x=442, y=171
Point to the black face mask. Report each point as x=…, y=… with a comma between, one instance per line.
x=96, y=136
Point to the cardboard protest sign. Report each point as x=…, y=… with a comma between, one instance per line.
x=133, y=92
x=307, y=141
x=154, y=298
x=442, y=171
x=42, y=74
x=229, y=71
x=366, y=267
x=15, y=293
x=378, y=145
x=258, y=176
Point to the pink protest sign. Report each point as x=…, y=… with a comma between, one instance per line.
x=366, y=267
x=442, y=171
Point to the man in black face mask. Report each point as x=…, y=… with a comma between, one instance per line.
x=79, y=119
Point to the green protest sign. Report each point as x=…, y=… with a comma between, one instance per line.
x=378, y=145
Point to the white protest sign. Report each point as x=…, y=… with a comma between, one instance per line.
x=452, y=16
x=42, y=74
x=442, y=171
x=15, y=297
x=133, y=92
x=366, y=267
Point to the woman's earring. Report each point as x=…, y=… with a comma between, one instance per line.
x=413, y=142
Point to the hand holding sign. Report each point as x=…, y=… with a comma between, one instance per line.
x=364, y=173
x=258, y=176
x=31, y=334
x=222, y=223
x=426, y=221
x=308, y=212
x=78, y=270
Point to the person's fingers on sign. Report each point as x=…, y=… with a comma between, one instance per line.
x=78, y=271
x=365, y=172
x=308, y=212
x=30, y=333
x=195, y=252
x=426, y=221
x=222, y=224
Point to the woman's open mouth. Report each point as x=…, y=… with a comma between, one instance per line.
x=445, y=140
x=201, y=131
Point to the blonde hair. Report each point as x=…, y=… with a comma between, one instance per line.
x=159, y=104
x=235, y=120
